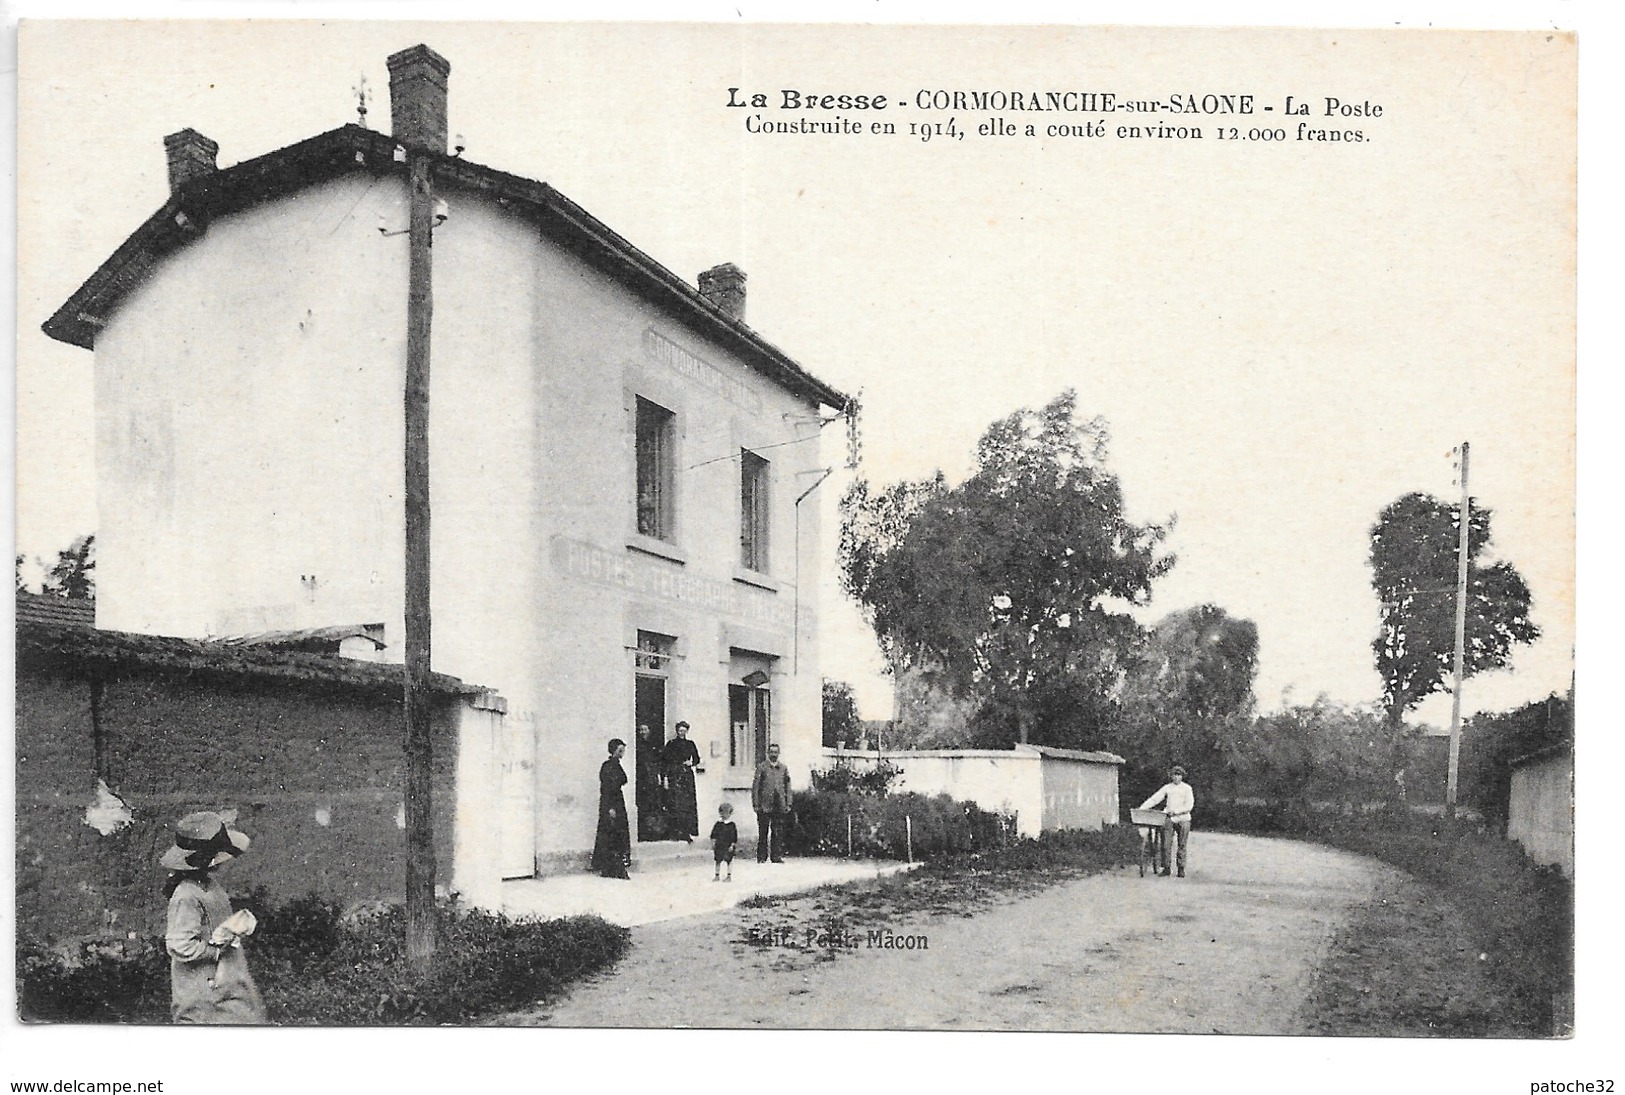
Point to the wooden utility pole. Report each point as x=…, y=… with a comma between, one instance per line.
x=1461, y=639
x=420, y=865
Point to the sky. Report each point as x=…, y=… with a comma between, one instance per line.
x=1283, y=336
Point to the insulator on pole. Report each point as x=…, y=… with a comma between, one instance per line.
x=854, y=444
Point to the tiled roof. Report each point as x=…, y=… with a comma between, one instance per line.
x=309, y=635
x=48, y=609
x=1075, y=754
x=1556, y=749
x=351, y=148
x=51, y=646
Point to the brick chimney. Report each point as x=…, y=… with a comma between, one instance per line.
x=417, y=97
x=724, y=287
x=190, y=155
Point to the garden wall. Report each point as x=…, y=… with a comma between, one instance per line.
x=1044, y=788
x=1540, y=815
x=313, y=774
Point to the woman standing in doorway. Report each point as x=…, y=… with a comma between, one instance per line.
x=681, y=758
x=209, y=980
x=612, y=850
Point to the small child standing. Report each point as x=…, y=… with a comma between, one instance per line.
x=724, y=835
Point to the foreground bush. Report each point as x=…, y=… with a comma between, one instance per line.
x=1520, y=915
x=315, y=968
x=113, y=982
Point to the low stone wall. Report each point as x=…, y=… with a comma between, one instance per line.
x=993, y=779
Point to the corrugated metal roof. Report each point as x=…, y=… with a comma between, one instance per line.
x=350, y=148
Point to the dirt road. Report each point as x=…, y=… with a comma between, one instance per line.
x=1231, y=948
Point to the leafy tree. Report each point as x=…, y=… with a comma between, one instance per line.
x=1491, y=742
x=874, y=527
x=1189, y=697
x=1413, y=570
x=929, y=716
x=1321, y=751
x=1011, y=586
x=841, y=722
x=73, y=573
x=17, y=574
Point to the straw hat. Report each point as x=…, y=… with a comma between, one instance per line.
x=203, y=840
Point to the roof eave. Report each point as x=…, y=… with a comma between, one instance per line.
x=352, y=148
x=114, y=651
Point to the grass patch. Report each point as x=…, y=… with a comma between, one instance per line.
x=1406, y=966
x=1418, y=968
x=314, y=967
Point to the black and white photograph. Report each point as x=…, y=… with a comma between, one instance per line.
x=892, y=529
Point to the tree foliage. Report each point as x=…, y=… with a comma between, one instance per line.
x=1318, y=752
x=928, y=715
x=1413, y=570
x=1013, y=585
x=841, y=722
x=1188, y=698
x=73, y=574
x=1491, y=742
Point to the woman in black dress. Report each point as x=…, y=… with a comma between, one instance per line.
x=612, y=851
x=681, y=758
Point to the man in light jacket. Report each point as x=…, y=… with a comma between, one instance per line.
x=770, y=798
x=1179, y=800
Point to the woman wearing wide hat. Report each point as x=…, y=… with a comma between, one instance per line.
x=208, y=973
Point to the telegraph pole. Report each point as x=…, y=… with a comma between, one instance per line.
x=420, y=865
x=1461, y=639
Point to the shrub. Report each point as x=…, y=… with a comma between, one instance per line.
x=1272, y=818
x=485, y=964
x=874, y=780
x=880, y=826
x=315, y=968
x=298, y=933
x=101, y=981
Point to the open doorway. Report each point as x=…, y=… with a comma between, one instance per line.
x=653, y=660
x=650, y=707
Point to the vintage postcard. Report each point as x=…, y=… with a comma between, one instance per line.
x=820, y=527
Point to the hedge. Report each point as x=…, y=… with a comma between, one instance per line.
x=880, y=826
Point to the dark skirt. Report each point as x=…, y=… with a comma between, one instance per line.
x=684, y=817
x=612, y=849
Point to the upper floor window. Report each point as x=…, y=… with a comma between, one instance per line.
x=656, y=443
x=753, y=511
